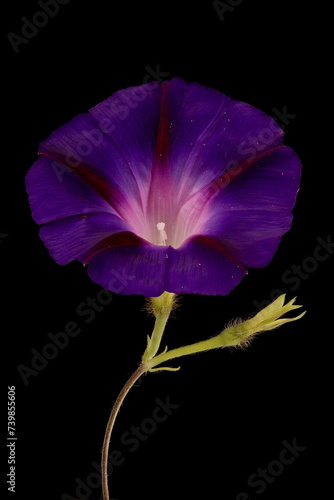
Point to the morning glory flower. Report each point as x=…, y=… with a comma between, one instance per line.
x=165, y=187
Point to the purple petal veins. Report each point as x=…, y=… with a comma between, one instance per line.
x=171, y=187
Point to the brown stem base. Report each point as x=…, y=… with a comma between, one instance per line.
x=110, y=425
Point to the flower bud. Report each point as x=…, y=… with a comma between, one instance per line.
x=240, y=333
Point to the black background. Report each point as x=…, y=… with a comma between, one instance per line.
x=235, y=407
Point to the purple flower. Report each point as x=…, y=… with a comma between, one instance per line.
x=165, y=187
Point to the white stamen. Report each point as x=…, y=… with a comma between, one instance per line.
x=162, y=233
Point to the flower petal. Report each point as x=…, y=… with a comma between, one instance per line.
x=55, y=192
x=77, y=237
x=113, y=144
x=117, y=138
x=129, y=119
x=131, y=269
x=210, y=133
x=202, y=265
x=251, y=212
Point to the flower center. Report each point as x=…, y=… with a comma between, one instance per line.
x=162, y=233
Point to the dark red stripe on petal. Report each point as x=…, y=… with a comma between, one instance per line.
x=206, y=240
x=109, y=193
x=124, y=238
x=161, y=205
x=161, y=150
x=236, y=171
x=207, y=192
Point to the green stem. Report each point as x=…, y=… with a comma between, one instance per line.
x=155, y=340
x=110, y=425
x=237, y=334
x=161, y=307
x=204, y=345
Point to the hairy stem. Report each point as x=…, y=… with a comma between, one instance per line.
x=161, y=307
x=155, y=340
